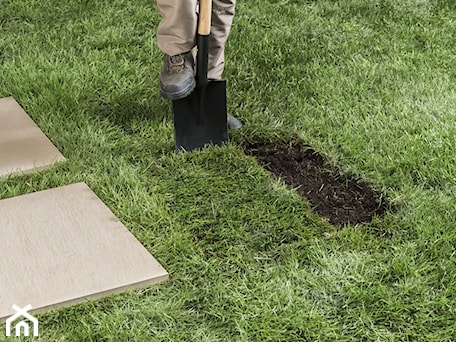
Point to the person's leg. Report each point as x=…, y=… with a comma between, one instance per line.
x=222, y=18
x=176, y=37
x=177, y=29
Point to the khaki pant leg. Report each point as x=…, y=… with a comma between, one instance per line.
x=222, y=18
x=177, y=29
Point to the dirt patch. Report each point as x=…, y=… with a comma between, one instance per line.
x=339, y=198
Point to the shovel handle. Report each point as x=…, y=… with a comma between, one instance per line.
x=204, y=30
x=205, y=17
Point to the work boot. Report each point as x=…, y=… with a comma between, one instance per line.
x=233, y=123
x=176, y=77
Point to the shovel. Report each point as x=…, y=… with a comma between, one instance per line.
x=201, y=118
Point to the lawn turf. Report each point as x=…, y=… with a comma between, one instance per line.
x=370, y=84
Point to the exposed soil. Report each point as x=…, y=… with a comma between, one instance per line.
x=339, y=198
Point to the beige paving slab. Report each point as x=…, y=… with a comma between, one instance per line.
x=23, y=146
x=63, y=246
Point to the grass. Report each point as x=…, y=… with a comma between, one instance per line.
x=369, y=83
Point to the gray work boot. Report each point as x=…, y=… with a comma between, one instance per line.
x=233, y=123
x=176, y=77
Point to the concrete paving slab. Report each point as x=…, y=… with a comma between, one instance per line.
x=63, y=246
x=23, y=146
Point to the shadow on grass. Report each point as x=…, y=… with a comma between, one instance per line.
x=126, y=109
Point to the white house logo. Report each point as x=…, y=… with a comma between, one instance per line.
x=21, y=313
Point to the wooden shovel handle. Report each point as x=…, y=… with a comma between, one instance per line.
x=205, y=14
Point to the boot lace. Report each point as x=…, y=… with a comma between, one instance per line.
x=176, y=64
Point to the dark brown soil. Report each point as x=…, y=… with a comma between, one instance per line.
x=340, y=199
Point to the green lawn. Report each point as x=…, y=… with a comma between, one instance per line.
x=371, y=84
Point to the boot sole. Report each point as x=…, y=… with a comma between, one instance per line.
x=178, y=95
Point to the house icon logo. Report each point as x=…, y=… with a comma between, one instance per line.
x=23, y=324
